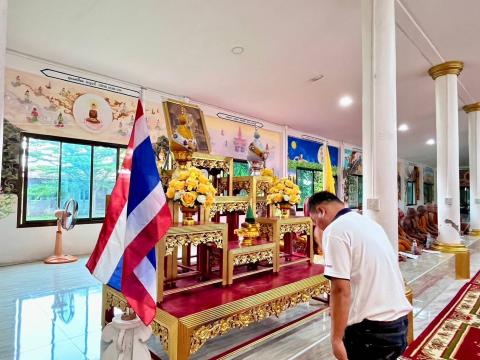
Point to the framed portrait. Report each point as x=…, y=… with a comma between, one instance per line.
x=196, y=122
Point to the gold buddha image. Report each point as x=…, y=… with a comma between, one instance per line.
x=183, y=138
x=93, y=114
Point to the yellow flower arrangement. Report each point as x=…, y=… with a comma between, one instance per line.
x=266, y=172
x=283, y=191
x=191, y=187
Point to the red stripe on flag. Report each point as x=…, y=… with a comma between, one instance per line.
x=139, y=299
x=117, y=200
x=145, y=241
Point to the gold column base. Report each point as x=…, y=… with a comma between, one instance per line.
x=474, y=232
x=462, y=258
x=409, y=296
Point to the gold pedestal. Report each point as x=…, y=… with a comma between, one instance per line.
x=462, y=258
x=409, y=296
x=474, y=232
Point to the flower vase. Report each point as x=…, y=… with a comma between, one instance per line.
x=285, y=210
x=188, y=213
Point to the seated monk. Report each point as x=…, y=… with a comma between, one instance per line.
x=423, y=222
x=404, y=241
x=410, y=226
x=432, y=216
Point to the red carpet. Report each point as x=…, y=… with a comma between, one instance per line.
x=455, y=332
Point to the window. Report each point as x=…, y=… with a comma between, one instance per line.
x=411, y=199
x=309, y=181
x=55, y=170
x=428, y=193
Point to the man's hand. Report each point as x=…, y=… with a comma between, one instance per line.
x=339, y=350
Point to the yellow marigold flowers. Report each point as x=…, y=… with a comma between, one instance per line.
x=191, y=187
x=283, y=191
x=266, y=172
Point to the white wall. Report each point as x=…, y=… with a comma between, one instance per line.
x=36, y=243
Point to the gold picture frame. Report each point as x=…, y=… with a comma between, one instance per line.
x=171, y=109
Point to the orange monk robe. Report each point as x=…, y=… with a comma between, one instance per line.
x=423, y=223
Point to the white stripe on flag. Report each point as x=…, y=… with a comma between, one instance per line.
x=141, y=131
x=113, y=251
x=145, y=272
x=144, y=213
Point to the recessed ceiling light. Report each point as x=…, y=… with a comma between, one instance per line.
x=403, y=127
x=345, y=101
x=430, y=142
x=237, y=50
x=316, y=78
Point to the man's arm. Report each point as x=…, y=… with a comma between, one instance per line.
x=339, y=309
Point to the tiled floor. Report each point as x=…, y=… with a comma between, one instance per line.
x=53, y=312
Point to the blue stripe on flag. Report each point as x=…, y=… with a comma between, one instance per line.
x=144, y=174
x=116, y=279
x=151, y=257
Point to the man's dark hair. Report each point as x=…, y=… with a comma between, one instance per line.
x=321, y=197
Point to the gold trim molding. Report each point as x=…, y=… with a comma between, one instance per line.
x=450, y=248
x=472, y=107
x=176, y=241
x=474, y=232
x=254, y=314
x=253, y=257
x=450, y=67
x=295, y=228
x=161, y=332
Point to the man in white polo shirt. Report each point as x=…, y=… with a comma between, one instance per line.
x=368, y=306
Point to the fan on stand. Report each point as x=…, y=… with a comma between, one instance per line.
x=66, y=219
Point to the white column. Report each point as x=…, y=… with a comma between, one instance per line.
x=3, y=47
x=379, y=115
x=448, y=183
x=473, y=111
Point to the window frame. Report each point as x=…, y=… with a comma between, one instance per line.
x=414, y=199
x=23, y=177
x=429, y=188
x=313, y=171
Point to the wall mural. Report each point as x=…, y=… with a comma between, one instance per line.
x=428, y=175
x=413, y=175
x=352, y=186
x=39, y=104
x=305, y=165
x=308, y=154
x=464, y=177
x=230, y=138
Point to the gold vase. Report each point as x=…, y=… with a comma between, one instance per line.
x=188, y=213
x=285, y=210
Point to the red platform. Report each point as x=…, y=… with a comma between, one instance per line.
x=204, y=298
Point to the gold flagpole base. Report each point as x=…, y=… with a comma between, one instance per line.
x=462, y=258
x=474, y=232
x=409, y=296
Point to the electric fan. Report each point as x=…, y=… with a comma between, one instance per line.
x=66, y=219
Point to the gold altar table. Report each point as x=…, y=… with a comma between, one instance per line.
x=182, y=236
x=277, y=228
x=253, y=254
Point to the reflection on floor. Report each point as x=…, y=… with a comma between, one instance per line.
x=53, y=312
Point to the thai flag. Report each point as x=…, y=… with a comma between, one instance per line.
x=137, y=218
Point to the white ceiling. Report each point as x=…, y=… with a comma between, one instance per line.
x=183, y=47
